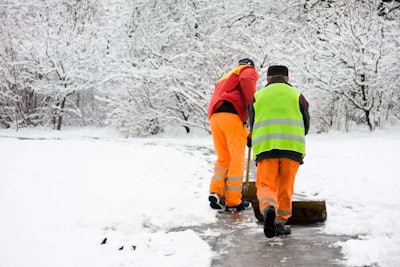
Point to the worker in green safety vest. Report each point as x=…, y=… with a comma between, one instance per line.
x=279, y=121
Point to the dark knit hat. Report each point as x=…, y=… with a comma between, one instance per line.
x=278, y=70
x=246, y=61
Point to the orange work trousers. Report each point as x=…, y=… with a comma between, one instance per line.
x=275, y=183
x=230, y=138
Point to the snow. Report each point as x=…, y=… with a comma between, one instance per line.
x=62, y=193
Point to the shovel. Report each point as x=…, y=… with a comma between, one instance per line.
x=303, y=211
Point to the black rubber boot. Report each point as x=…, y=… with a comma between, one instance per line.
x=282, y=229
x=242, y=206
x=269, y=221
x=216, y=202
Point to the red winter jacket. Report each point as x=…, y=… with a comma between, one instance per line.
x=237, y=87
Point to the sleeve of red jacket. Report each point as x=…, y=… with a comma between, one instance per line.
x=248, y=82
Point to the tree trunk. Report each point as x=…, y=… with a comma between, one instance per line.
x=369, y=120
x=61, y=113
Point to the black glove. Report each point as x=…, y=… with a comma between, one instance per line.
x=248, y=141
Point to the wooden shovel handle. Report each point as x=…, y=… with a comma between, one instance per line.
x=248, y=165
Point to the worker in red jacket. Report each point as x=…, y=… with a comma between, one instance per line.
x=228, y=113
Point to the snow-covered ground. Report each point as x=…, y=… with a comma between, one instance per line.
x=63, y=193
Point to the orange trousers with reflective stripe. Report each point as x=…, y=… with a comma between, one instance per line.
x=275, y=184
x=230, y=138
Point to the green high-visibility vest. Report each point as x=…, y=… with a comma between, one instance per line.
x=278, y=122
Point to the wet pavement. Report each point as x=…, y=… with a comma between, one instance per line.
x=238, y=240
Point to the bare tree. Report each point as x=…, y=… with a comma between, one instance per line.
x=143, y=65
x=353, y=58
x=48, y=46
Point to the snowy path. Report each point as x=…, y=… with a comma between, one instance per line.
x=238, y=240
x=62, y=193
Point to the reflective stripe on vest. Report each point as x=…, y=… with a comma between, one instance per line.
x=278, y=122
